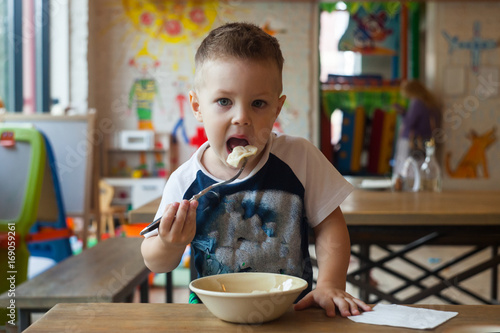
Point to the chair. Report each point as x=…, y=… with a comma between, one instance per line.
x=23, y=156
x=108, y=211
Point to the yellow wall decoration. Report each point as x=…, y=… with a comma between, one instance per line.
x=172, y=21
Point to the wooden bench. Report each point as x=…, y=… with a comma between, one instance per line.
x=108, y=272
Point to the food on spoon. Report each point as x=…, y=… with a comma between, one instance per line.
x=240, y=152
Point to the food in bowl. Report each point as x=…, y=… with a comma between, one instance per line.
x=248, y=298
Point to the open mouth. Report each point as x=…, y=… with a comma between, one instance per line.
x=235, y=142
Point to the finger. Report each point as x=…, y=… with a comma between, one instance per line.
x=306, y=302
x=329, y=306
x=190, y=226
x=167, y=207
x=168, y=218
x=180, y=218
x=354, y=311
x=362, y=304
x=343, y=306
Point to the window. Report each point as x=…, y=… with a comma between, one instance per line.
x=11, y=51
x=332, y=61
x=3, y=55
x=24, y=44
x=59, y=52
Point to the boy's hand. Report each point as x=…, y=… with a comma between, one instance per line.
x=330, y=299
x=178, y=224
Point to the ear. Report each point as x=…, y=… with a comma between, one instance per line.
x=281, y=101
x=195, y=105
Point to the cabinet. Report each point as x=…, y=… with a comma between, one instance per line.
x=137, y=172
x=136, y=160
x=136, y=192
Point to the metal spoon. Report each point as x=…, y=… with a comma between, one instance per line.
x=155, y=224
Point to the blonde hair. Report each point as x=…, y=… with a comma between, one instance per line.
x=239, y=40
x=415, y=89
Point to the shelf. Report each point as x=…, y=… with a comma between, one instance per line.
x=127, y=180
x=136, y=191
x=119, y=150
x=121, y=201
x=118, y=162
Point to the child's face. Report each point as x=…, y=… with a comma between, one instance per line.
x=238, y=102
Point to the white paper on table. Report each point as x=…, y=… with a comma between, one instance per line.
x=403, y=316
x=375, y=184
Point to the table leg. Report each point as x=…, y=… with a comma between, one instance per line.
x=24, y=319
x=450, y=281
x=494, y=275
x=192, y=269
x=144, y=290
x=169, y=288
x=364, y=295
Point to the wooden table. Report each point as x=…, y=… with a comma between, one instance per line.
x=383, y=218
x=145, y=213
x=134, y=317
x=108, y=272
x=422, y=208
x=396, y=208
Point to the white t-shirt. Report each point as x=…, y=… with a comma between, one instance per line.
x=260, y=223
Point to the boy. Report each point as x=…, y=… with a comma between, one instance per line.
x=260, y=221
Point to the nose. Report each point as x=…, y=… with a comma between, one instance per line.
x=241, y=116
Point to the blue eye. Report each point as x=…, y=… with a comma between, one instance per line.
x=259, y=103
x=224, y=102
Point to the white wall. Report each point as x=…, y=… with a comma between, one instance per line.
x=471, y=96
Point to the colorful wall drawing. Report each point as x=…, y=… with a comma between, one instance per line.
x=144, y=90
x=182, y=101
x=267, y=28
x=145, y=61
x=473, y=163
x=168, y=22
x=172, y=21
x=371, y=32
x=474, y=45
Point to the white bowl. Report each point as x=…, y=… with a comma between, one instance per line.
x=248, y=298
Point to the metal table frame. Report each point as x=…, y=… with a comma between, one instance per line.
x=414, y=237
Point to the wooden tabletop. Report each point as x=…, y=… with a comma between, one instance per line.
x=145, y=213
x=136, y=317
x=107, y=272
x=363, y=207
